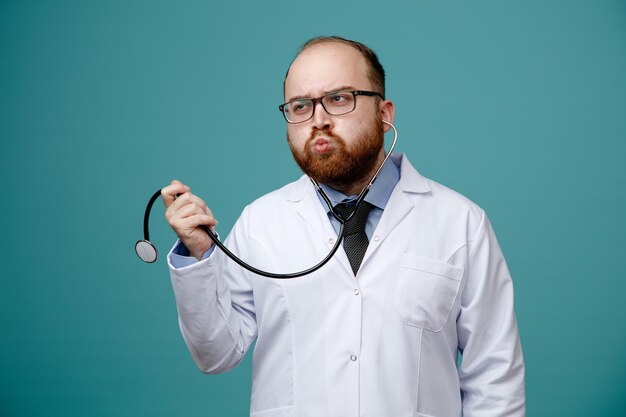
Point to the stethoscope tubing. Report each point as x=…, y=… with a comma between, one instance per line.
x=274, y=275
x=243, y=264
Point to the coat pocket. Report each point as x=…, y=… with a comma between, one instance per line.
x=426, y=291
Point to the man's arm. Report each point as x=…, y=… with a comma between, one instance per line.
x=213, y=297
x=215, y=309
x=492, y=369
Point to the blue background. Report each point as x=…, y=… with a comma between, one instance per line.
x=521, y=106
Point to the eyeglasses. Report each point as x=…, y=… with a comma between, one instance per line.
x=335, y=103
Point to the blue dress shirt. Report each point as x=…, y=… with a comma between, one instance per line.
x=378, y=196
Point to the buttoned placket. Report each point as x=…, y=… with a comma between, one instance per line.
x=350, y=353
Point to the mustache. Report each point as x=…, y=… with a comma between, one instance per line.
x=315, y=133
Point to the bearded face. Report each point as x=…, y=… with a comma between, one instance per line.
x=345, y=163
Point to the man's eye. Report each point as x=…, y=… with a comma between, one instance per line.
x=340, y=99
x=300, y=106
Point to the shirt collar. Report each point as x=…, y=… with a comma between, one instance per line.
x=378, y=195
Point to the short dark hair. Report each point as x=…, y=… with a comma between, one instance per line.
x=376, y=73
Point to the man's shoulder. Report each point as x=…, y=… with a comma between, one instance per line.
x=293, y=191
x=441, y=196
x=451, y=196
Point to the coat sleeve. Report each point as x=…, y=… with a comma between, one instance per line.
x=492, y=368
x=215, y=306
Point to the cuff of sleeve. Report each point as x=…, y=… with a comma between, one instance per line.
x=180, y=258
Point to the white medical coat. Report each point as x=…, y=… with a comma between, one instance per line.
x=433, y=282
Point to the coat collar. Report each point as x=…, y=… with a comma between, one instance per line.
x=411, y=181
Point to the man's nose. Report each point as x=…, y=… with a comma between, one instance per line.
x=321, y=118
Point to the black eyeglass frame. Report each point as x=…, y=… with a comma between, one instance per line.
x=354, y=93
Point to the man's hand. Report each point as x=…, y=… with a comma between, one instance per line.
x=185, y=213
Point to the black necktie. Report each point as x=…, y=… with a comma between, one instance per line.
x=354, y=240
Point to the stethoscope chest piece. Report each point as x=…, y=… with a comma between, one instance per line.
x=146, y=251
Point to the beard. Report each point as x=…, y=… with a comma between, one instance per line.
x=344, y=165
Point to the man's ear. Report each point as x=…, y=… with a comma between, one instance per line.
x=387, y=111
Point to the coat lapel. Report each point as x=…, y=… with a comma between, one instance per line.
x=400, y=204
x=312, y=211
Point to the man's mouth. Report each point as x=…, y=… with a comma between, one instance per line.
x=322, y=146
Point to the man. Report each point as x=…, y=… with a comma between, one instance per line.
x=371, y=334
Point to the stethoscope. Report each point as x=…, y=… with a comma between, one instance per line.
x=147, y=251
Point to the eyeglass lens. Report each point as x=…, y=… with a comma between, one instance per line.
x=336, y=104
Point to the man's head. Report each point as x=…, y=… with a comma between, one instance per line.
x=376, y=72
x=338, y=150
